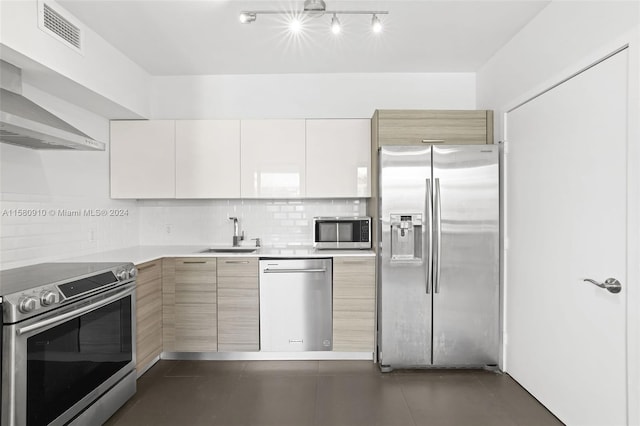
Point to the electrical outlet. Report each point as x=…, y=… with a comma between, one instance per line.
x=92, y=235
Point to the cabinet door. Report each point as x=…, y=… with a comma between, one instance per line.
x=142, y=159
x=354, y=304
x=272, y=158
x=238, y=304
x=208, y=159
x=190, y=308
x=416, y=127
x=148, y=314
x=338, y=158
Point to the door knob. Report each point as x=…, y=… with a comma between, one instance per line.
x=610, y=284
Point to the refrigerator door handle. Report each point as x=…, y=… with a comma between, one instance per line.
x=429, y=260
x=438, y=234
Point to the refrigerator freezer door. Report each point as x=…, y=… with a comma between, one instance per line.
x=405, y=305
x=466, y=287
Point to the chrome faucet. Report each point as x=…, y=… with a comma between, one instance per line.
x=236, y=237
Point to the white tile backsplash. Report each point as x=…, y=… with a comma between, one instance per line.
x=275, y=222
x=38, y=231
x=46, y=201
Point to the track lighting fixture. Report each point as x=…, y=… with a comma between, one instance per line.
x=316, y=8
x=247, y=17
x=376, y=25
x=335, y=25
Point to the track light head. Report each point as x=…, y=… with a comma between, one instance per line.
x=376, y=25
x=247, y=17
x=335, y=25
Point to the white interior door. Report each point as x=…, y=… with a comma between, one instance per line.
x=566, y=178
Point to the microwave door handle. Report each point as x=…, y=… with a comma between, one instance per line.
x=76, y=312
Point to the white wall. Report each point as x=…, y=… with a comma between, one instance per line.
x=560, y=36
x=307, y=95
x=46, y=182
x=101, y=69
x=561, y=40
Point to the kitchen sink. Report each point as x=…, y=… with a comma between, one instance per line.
x=230, y=250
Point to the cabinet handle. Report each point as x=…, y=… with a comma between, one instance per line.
x=146, y=267
x=236, y=261
x=354, y=261
x=194, y=261
x=433, y=140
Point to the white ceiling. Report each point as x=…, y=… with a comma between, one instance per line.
x=185, y=37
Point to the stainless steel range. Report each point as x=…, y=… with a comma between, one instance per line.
x=68, y=342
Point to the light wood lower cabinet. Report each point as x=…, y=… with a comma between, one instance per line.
x=354, y=304
x=238, y=304
x=148, y=314
x=189, y=305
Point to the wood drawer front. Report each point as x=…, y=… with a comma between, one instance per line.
x=195, y=264
x=353, y=331
x=184, y=277
x=238, y=320
x=195, y=328
x=354, y=290
x=354, y=278
x=412, y=127
x=248, y=283
x=199, y=294
x=354, y=305
x=148, y=272
x=238, y=267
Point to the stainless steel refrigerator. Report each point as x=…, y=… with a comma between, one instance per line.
x=438, y=256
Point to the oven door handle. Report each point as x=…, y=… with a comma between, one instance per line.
x=77, y=312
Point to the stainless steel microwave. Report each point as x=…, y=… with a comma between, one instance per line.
x=342, y=232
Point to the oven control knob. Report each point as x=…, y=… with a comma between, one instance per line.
x=122, y=275
x=133, y=272
x=47, y=297
x=27, y=304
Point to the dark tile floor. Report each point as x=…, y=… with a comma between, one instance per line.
x=325, y=393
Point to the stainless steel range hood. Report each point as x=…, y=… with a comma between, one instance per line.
x=24, y=123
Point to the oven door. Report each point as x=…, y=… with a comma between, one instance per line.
x=57, y=364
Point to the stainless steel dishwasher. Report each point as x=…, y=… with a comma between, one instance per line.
x=295, y=305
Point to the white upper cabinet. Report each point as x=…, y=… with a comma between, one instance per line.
x=338, y=158
x=208, y=159
x=272, y=158
x=143, y=159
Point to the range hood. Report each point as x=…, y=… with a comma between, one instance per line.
x=24, y=123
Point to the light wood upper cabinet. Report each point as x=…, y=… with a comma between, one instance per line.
x=272, y=158
x=413, y=127
x=142, y=159
x=208, y=159
x=148, y=314
x=338, y=158
x=238, y=304
x=189, y=304
x=354, y=305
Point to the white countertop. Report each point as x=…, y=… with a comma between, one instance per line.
x=142, y=254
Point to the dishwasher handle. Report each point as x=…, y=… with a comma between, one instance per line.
x=292, y=271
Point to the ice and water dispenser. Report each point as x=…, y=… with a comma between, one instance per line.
x=406, y=237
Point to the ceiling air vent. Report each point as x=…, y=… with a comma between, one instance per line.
x=52, y=22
